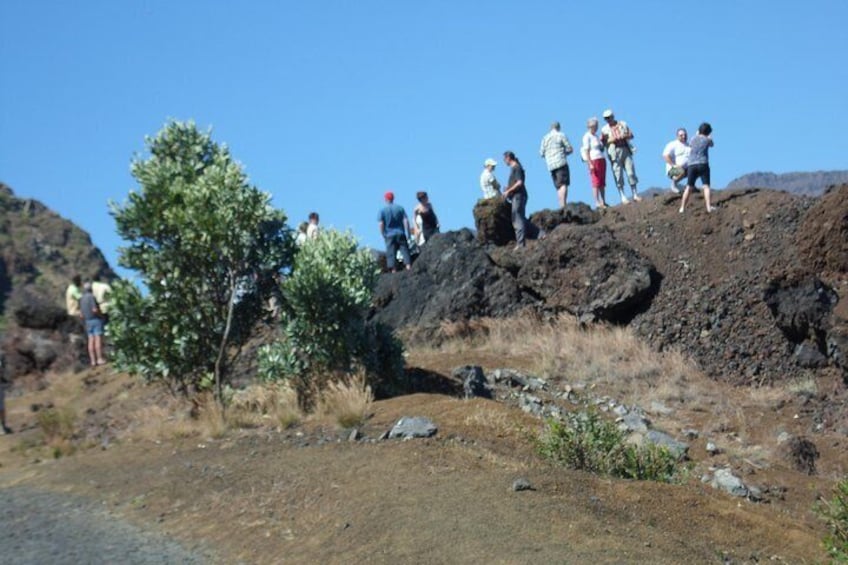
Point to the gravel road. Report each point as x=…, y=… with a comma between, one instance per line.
x=40, y=527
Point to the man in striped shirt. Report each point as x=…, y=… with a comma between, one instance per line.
x=554, y=149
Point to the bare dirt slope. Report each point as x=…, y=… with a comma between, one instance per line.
x=309, y=495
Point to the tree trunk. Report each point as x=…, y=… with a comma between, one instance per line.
x=222, y=350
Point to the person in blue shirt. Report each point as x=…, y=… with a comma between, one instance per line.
x=394, y=227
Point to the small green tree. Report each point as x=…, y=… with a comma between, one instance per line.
x=324, y=327
x=835, y=514
x=200, y=237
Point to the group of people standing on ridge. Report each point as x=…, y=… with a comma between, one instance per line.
x=90, y=303
x=683, y=160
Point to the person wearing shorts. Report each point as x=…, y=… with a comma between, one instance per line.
x=554, y=149
x=592, y=153
x=699, y=165
x=676, y=157
x=90, y=312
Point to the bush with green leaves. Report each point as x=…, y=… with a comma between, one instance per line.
x=324, y=328
x=200, y=237
x=835, y=514
x=586, y=441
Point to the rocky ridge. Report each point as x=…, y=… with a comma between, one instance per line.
x=744, y=291
x=39, y=253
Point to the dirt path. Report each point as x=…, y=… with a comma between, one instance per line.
x=48, y=527
x=303, y=496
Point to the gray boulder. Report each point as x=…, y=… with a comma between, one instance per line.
x=474, y=382
x=725, y=480
x=415, y=427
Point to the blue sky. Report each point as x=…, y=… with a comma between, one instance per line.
x=329, y=104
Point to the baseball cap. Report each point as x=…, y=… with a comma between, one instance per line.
x=389, y=195
x=607, y=113
x=491, y=162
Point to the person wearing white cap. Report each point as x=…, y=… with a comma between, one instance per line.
x=488, y=183
x=616, y=136
x=555, y=149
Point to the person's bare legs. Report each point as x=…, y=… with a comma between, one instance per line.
x=98, y=349
x=706, y=189
x=685, y=199
x=92, y=350
x=562, y=194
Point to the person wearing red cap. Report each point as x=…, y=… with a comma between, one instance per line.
x=394, y=227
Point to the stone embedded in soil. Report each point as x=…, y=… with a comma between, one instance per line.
x=413, y=427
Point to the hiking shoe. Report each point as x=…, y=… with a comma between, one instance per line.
x=6, y=430
x=680, y=211
x=625, y=200
x=675, y=190
x=711, y=209
x=637, y=198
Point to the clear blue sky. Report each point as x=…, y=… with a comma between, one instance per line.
x=329, y=104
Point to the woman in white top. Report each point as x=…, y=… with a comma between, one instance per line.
x=592, y=153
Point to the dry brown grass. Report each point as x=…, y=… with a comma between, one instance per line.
x=179, y=418
x=597, y=356
x=346, y=401
x=259, y=405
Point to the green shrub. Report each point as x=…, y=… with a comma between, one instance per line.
x=835, y=514
x=324, y=328
x=587, y=442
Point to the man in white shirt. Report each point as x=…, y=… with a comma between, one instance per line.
x=676, y=157
x=488, y=183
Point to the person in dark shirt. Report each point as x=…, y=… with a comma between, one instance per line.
x=90, y=313
x=516, y=194
x=426, y=223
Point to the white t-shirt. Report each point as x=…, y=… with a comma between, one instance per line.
x=312, y=231
x=591, y=147
x=679, y=153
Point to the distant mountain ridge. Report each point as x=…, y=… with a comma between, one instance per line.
x=803, y=184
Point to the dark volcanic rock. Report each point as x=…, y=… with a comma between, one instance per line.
x=801, y=306
x=584, y=270
x=493, y=221
x=575, y=213
x=453, y=279
x=579, y=269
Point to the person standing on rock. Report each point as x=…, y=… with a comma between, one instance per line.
x=90, y=313
x=555, y=149
x=592, y=153
x=72, y=296
x=676, y=157
x=516, y=194
x=616, y=136
x=488, y=183
x=394, y=227
x=699, y=165
x=426, y=222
